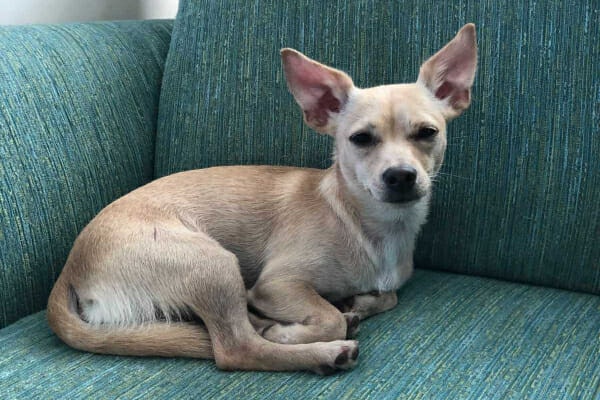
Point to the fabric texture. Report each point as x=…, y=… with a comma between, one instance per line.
x=450, y=337
x=518, y=195
x=78, y=114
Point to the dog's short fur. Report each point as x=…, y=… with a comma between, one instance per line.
x=243, y=264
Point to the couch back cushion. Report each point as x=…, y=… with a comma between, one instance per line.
x=519, y=195
x=78, y=108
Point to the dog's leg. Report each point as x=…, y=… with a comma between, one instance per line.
x=218, y=296
x=302, y=315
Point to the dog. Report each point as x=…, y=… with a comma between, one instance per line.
x=244, y=264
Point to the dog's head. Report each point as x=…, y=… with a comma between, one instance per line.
x=390, y=140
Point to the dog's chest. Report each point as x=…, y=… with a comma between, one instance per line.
x=387, y=274
x=392, y=264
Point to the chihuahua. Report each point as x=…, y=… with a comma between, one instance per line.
x=244, y=264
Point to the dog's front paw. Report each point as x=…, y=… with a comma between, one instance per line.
x=342, y=355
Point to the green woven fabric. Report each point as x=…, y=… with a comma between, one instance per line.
x=78, y=109
x=518, y=197
x=451, y=337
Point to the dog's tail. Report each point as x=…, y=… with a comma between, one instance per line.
x=178, y=339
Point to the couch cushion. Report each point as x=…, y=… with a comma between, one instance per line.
x=78, y=106
x=450, y=336
x=518, y=195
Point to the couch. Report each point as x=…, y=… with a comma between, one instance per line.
x=505, y=301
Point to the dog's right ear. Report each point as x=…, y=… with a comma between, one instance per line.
x=321, y=91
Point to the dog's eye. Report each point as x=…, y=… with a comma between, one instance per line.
x=426, y=133
x=363, y=139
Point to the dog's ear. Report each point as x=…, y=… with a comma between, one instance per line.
x=321, y=91
x=449, y=73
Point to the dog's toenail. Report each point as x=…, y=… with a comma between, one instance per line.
x=354, y=354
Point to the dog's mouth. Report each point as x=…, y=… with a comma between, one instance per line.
x=401, y=199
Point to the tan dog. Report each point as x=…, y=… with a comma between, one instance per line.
x=173, y=268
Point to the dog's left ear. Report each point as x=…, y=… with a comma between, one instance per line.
x=449, y=73
x=321, y=91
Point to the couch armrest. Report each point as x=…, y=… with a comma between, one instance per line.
x=78, y=108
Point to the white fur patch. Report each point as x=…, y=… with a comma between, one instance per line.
x=124, y=306
x=392, y=272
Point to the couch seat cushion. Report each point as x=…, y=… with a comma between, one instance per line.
x=451, y=336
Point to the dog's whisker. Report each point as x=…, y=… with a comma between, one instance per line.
x=441, y=174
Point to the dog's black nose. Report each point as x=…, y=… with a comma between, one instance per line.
x=400, y=179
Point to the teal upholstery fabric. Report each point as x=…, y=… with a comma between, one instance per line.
x=450, y=337
x=78, y=109
x=518, y=195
